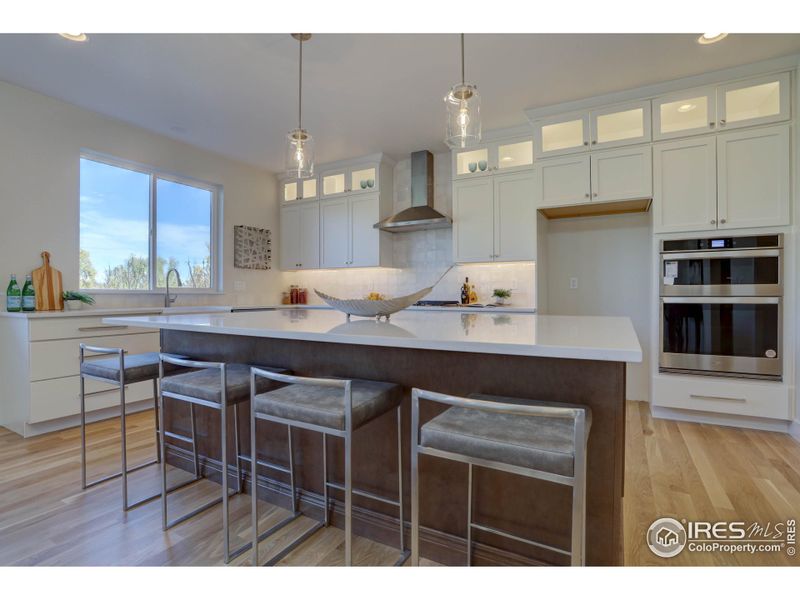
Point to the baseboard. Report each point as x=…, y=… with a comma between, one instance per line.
x=709, y=418
x=439, y=546
x=33, y=429
x=794, y=430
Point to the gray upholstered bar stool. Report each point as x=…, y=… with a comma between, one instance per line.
x=120, y=371
x=525, y=437
x=336, y=407
x=215, y=385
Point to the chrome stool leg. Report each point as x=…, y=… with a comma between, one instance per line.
x=158, y=421
x=469, y=516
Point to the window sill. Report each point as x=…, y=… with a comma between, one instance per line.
x=179, y=292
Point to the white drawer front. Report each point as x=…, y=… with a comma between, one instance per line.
x=57, y=398
x=60, y=358
x=737, y=397
x=76, y=327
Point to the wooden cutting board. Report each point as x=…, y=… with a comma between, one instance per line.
x=47, y=283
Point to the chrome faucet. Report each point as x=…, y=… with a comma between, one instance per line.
x=167, y=299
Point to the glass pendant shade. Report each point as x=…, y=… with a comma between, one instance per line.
x=299, y=154
x=463, y=116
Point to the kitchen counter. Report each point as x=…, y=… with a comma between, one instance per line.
x=556, y=359
x=580, y=337
x=468, y=309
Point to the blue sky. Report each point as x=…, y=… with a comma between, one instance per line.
x=115, y=205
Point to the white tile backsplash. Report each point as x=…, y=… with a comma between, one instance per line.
x=421, y=257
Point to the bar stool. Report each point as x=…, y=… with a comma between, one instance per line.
x=336, y=407
x=525, y=437
x=218, y=386
x=120, y=371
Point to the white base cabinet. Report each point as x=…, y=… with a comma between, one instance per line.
x=39, y=368
x=733, y=180
x=494, y=218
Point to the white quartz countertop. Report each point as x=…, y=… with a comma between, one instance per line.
x=469, y=309
x=590, y=338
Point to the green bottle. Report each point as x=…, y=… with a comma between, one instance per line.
x=28, y=295
x=13, y=296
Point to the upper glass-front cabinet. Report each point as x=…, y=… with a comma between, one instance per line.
x=702, y=110
x=300, y=189
x=620, y=125
x=562, y=135
x=754, y=102
x=509, y=155
x=346, y=180
x=609, y=127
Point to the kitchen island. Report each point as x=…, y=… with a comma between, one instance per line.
x=552, y=358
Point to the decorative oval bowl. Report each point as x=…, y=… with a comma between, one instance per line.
x=373, y=308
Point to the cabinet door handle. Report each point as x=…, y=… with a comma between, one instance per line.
x=722, y=221
x=585, y=143
x=711, y=125
x=722, y=122
x=713, y=221
x=595, y=194
x=587, y=195
x=594, y=142
x=102, y=327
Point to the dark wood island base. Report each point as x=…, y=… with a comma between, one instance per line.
x=532, y=509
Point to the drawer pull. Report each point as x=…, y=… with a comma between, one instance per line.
x=102, y=327
x=701, y=397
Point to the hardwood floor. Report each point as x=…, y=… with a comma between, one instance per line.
x=672, y=469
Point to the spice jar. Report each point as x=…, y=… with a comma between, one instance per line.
x=285, y=299
x=303, y=296
x=293, y=294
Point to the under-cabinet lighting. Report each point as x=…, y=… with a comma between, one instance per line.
x=74, y=37
x=711, y=38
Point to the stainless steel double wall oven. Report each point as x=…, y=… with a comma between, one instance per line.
x=722, y=306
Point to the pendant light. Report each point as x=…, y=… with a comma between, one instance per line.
x=463, y=112
x=299, y=143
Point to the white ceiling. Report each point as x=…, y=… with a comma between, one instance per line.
x=237, y=94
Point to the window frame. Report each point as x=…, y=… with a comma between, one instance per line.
x=155, y=174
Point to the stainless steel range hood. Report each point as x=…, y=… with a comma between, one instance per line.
x=421, y=215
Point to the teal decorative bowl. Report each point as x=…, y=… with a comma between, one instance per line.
x=472, y=167
x=363, y=184
x=370, y=183
x=482, y=165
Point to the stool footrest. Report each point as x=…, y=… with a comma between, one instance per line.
x=119, y=474
x=518, y=539
x=303, y=537
x=364, y=494
x=262, y=536
x=177, y=436
x=174, y=488
x=198, y=510
x=268, y=465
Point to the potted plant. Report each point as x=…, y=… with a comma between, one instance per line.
x=75, y=300
x=501, y=296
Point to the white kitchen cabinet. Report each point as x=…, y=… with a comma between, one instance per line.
x=335, y=233
x=351, y=179
x=685, y=185
x=348, y=238
x=753, y=171
x=623, y=174
x=299, y=189
x=564, y=181
x=514, y=217
x=688, y=112
x=299, y=236
x=562, y=134
x=620, y=125
x=494, y=218
x=754, y=101
x=498, y=156
x=473, y=220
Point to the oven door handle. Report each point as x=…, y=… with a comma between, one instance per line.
x=714, y=254
x=720, y=300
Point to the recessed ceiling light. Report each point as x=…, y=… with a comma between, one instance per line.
x=74, y=37
x=506, y=158
x=711, y=38
x=686, y=107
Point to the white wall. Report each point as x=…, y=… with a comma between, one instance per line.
x=610, y=256
x=40, y=143
x=420, y=257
